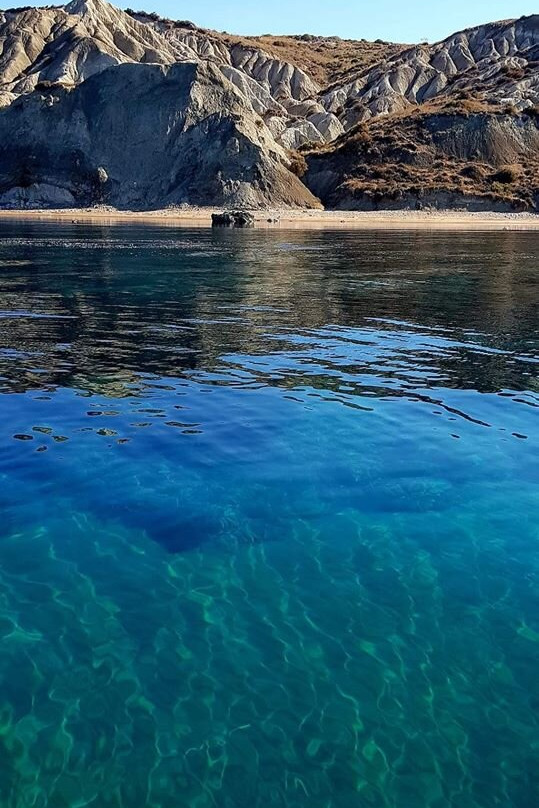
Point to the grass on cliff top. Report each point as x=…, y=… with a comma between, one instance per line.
x=326, y=60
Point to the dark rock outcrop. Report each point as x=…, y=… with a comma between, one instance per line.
x=233, y=218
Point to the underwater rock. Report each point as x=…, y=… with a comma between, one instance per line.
x=173, y=531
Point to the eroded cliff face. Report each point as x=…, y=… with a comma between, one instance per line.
x=499, y=60
x=67, y=45
x=183, y=136
x=99, y=104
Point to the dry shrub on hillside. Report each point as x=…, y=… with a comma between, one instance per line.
x=506, y=175
x=298, y=163
x=513, y=73
x=360, y=137
x=461, y=103
x=473, y=171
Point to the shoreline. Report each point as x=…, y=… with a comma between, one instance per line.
x=293, y=218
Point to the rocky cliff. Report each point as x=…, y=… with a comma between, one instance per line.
x=127, y=108
x=142, y=136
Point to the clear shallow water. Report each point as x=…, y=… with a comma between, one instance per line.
x=269, y=518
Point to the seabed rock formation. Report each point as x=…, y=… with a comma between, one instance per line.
x=103, y=106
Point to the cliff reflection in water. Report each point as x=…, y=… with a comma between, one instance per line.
x=101, y=308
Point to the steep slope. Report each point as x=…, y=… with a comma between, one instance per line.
x=466, y=155
x=500, y=59
x=69, y=44
x=66, y=45
x=183, y=136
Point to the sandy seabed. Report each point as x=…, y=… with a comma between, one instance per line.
x=293, y=218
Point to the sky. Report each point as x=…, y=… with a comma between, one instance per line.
x=406, y=21
x=393, y=20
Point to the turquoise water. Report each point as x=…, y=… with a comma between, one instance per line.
x=269, y=518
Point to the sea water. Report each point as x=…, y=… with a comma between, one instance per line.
x=269, y=518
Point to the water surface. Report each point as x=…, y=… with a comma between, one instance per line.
x=269, y=518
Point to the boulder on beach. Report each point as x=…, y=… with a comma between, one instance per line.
x=233, y=218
